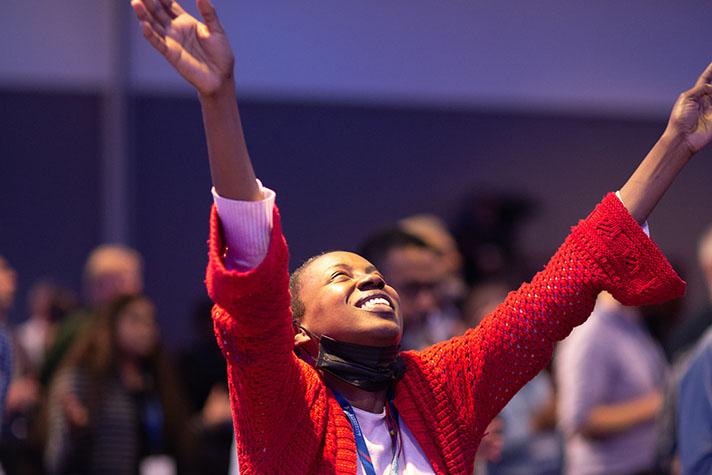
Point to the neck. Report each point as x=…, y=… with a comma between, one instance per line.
x=369, y=401
x=130, y=371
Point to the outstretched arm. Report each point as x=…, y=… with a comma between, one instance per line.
x=201, y=53
x=689, y=129
x=610, y=419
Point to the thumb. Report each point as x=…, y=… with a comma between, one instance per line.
x=705, y=77
x=209, y=15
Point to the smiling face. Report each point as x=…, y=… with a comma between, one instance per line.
x=347, y=299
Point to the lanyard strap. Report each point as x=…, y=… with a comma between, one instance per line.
x=361, y=449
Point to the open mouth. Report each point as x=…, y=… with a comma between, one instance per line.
x=375, y=302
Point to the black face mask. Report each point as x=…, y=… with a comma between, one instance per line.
x=371, y=368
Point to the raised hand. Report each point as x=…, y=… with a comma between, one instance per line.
x=691, y=117
x=688, y=131
x=200, y=52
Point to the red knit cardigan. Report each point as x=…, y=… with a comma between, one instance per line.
x=287, y=421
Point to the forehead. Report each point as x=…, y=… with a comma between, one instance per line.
x=411, y=262
x=338, y=259
x=112, y=260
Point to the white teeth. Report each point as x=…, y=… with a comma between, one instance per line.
x=375, y=301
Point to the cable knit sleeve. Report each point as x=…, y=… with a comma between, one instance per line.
x=270, y=390
x=472, y=377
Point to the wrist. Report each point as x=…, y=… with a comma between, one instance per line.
x=224, y=90
x=676, y=143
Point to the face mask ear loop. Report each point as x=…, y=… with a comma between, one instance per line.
x=311, y=335
x=303, y=351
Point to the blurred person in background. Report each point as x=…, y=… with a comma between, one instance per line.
x=48, y=304
x=8, y=288
x=610, y=376
x=19, y=449
x=19, y=390
x=691, y=329
x=486, y=229
x=694, y=410
x=688, y=348
x=115, y=405
x=419, y=258
x=417, y=272
x=110, y=270
x=203, y=372
x=432, y=230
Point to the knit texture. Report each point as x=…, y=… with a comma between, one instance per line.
x=288, y=421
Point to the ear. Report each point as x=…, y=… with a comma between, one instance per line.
x=300, y=336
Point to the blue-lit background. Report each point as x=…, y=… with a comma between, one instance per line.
x=357, y=113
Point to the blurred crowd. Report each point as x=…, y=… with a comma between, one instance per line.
x=87, y=386
x=90, y=387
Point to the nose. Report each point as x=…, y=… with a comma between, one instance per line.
x=426, y=300
x=371, y=281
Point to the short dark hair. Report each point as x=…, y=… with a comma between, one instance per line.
x=377, y=245
x=295, y=284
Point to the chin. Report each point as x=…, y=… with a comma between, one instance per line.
x=387, y=335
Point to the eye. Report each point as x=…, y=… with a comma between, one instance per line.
x=339, y=275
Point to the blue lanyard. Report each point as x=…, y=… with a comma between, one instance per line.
x=361, y=449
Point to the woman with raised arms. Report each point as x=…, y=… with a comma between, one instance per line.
x=316, y=381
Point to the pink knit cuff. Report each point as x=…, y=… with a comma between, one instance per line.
x=247, y=226
x=271, y=277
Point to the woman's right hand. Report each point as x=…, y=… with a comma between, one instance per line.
x=200, y=52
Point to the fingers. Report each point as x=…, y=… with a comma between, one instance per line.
x=151, y=29
x=210, y=15
x=705, y=77
x=139, y=7
x=701, y=89
x=702, y=95
x=158, y=12
x=157, y=41
x=172, y=8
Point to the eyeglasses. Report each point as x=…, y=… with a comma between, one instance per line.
x=413, y=289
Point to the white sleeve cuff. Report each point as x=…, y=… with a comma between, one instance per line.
x=247, y=226
x=644, y=226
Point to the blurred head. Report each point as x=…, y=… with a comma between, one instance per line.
x=8, y=285
x=482, y=300
x=112, y=270
x=125, y=329
x=412, y=267
x=433, y=231
x=342, y=295
x=136, y=333
x=40, y=298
